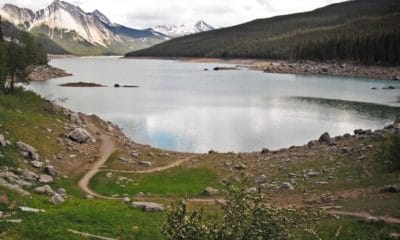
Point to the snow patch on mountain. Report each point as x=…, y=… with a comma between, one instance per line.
x=183, y=29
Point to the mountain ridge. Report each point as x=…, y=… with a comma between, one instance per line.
x=86, y=33
x=361, y=30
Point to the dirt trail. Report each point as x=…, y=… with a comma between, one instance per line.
x=152, y=170
x=106, y=149
x=365, y=215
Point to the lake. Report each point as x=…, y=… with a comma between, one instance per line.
x=181, y=107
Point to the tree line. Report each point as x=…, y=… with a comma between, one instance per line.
x=15, y=56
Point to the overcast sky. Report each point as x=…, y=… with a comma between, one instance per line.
x=220, y=13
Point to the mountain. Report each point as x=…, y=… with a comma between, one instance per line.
x=79, y=32
x=174, y=31
x=359, y=30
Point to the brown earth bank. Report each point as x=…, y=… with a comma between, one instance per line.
x=310, y=67
x=45, y=72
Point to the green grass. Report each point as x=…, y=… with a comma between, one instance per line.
x=99, y=217
x=175, y=182
x=354, y=229
x=23, y=115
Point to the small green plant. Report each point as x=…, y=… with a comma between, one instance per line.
x=245, y=216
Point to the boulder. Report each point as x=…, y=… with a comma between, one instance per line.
x=74, y=117
x=56, y=199
x=13, y=187
x=79, y=135
x=287, y=186
x=126, y=199
x=37, y=164
x=261, y=179
x=44, y=178
x=62, y=191
x=27, y=150
x=265, y=151
x=3, y=142
x=212, y=152
x=391, y=189
x=139, y=195
x=371, y=219
x=45, y=190
x=209, y=191
x=148, y=206
x=240, y=166
x=325, y=138
x=49, y=170
x=145, y=163
x=29, y=175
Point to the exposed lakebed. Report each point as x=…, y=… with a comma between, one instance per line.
x=179, y=106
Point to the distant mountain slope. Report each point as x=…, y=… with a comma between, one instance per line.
x=10, y=31
x=180, y=30
x=360, y=30
x=79, y=32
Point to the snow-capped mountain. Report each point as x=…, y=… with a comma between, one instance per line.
x=78, y=31
x=183, y=29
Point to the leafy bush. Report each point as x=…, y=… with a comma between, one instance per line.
x=246, y=216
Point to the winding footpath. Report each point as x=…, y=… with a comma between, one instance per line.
x=108, y=146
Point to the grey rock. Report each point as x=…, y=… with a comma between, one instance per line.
x=109, y=175
x=145, y=163
x=148, y=206
x=50, y=170
x=346, y=150
x=261, y=179
x=312, y=174
x=62, y=191
x=56, y=199
x=212, y=152
x=265, y=151
x=135, y=154
x=13, y=187
x=139, y=195
x=209, y=191
x=37, y=164
x=44, y=178
x=240, y=167
x=391, y=189
x=29, y=175
x=44, y=190
x=371, y=219
x=126, y=199
x=325, y=138
x=287, y=186
x=3, y=142
x=74, y=117
x=79, y=135
x=27, y=150
x=312, y=144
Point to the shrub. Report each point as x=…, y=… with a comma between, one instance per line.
x=246, y=216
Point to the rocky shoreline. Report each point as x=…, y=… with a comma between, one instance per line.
x=45, y=72
x=344, y=69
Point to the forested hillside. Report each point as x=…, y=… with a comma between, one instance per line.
x=15, y=56
x=366, y=31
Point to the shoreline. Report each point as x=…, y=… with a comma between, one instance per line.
x=339, y=69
